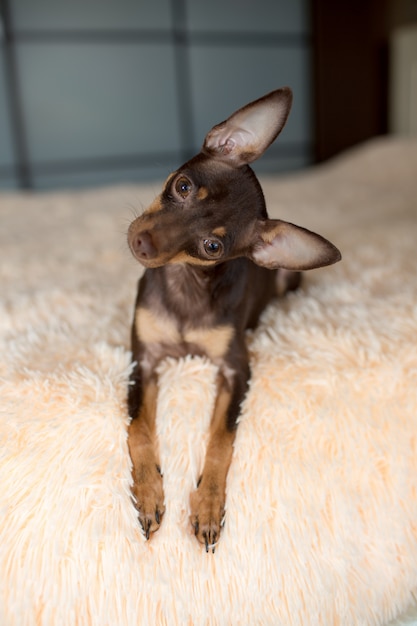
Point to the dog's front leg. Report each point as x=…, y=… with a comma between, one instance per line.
x=147, y=486
x=207, y=502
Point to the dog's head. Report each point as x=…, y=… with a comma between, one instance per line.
x=212, y=208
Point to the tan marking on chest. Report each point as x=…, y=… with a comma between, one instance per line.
x=159, y=329
x=214, y=341
x=153, y=328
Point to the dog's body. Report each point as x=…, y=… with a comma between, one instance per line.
x=209, y=249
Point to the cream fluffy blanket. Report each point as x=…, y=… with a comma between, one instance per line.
x=322, y=493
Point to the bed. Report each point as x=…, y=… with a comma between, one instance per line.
x=321, y=522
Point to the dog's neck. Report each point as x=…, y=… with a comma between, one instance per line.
x=192, y=292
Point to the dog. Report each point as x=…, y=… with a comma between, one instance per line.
x=213, y=261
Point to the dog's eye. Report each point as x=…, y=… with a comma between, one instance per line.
x=183, y=187
x=212, y=247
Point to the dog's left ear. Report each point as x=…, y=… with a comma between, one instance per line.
x=279, y=244
x=246, y=134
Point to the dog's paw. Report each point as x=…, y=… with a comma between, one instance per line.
x=148, y=496
x=207, y=505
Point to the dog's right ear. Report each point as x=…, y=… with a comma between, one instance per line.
x=246, y=134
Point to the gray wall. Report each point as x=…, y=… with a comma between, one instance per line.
x=100, y=91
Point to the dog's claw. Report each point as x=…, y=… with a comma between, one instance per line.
x=210, y=541
x=148, y=498
x=146, y=527
x=206, y=541
x=207, y=516
x=148, y=523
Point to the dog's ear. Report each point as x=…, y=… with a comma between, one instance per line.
x=279, y=244
x=246, y=134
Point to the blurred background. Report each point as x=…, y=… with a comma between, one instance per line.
x=103, y=91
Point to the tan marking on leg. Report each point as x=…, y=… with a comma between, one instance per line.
x=214, y=341
x=207, y=502
x=220, y=231
x=153, y=328
x=147, y=481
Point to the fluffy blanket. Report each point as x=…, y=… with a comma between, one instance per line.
x=321, y=521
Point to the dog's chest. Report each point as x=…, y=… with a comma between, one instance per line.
x=165, y=335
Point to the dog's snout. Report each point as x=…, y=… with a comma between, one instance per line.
x=142, y=245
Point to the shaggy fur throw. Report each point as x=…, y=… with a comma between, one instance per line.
x=321, y=522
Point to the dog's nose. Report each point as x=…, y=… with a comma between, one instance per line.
x=142, y=246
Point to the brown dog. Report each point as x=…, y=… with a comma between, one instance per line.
x=213, y=262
